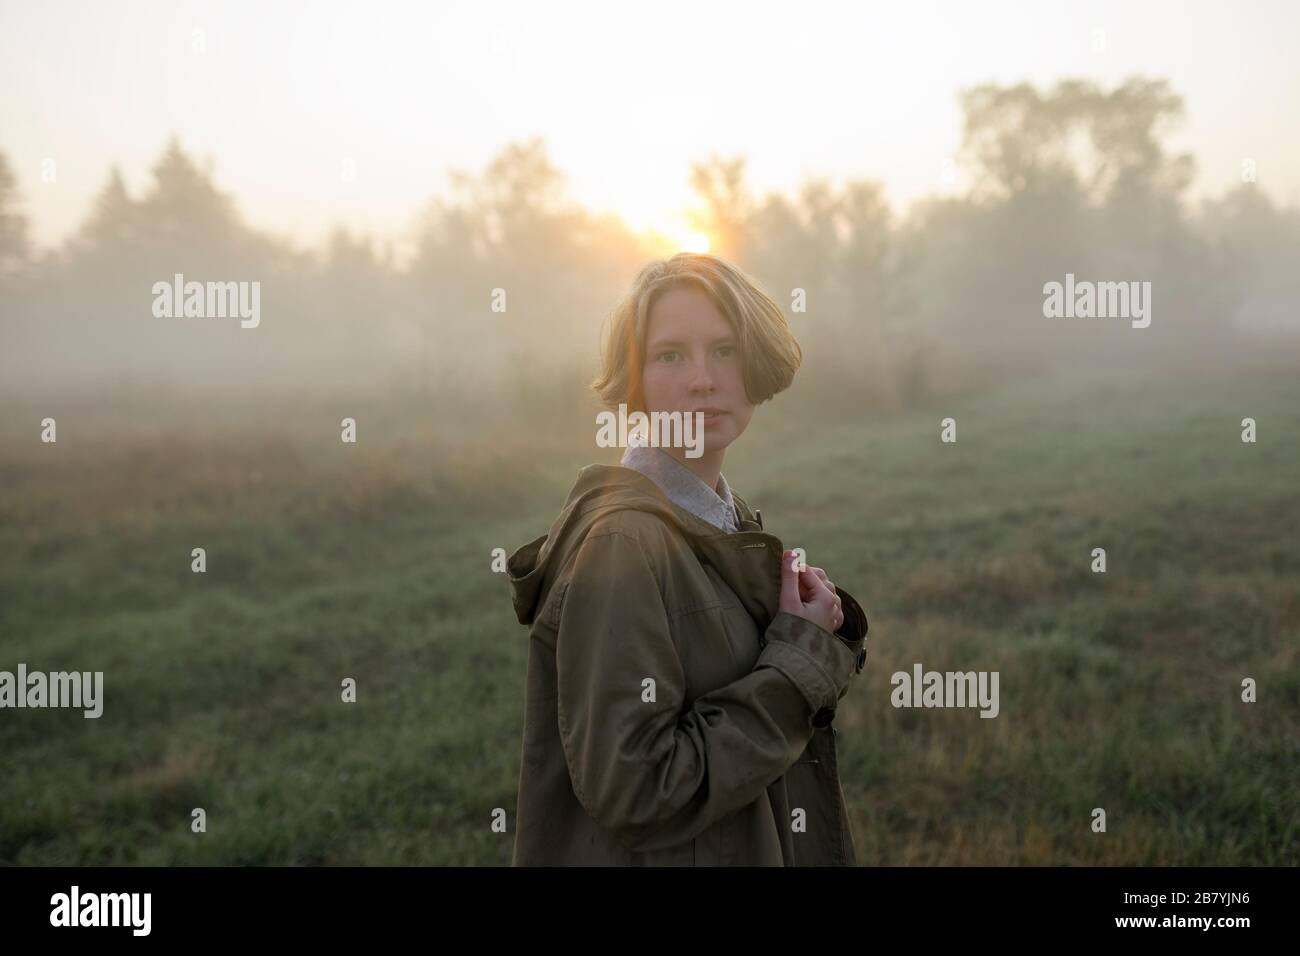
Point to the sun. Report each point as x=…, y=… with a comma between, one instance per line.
x=696, y=242
x=671, y=234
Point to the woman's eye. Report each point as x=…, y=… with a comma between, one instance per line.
x=726, y=350
x=663, y=355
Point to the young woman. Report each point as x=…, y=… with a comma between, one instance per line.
x=683, y=670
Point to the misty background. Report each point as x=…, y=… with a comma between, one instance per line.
x=900, y=303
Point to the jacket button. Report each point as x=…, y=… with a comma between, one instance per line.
x=823, y=717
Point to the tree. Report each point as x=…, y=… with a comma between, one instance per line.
x=114, y=220
x=14, y=250
x=1257, y=246
x=720, y=184
x=1019, y=140
x=184, y=201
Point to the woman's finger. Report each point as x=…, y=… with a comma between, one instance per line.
x=825, y=580
x=792, y=596
x=811, y=578
x=814, y=587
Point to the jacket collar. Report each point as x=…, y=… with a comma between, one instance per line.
x=748, y=560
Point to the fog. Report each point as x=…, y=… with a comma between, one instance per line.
x=500, y=302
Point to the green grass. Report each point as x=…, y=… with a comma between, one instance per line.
x=326, y=561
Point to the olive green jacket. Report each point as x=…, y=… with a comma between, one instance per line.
x=673, y=715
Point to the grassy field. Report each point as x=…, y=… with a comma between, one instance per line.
x=222, y=690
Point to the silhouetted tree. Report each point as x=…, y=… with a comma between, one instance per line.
x=14, y=250
x=727, y=206
x=1257, y=246
x=561, y=270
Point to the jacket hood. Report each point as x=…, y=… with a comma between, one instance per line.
x=603, y=489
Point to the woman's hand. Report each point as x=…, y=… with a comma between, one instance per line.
x=809, y=594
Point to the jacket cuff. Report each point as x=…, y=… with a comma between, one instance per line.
x=807, y=654
x=853, y=632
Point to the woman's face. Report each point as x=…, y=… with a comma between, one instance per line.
x=693, y=363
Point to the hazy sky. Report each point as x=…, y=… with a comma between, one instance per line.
x=288, y=99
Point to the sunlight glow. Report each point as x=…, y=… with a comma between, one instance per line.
x=672, y=233
x=696, y=242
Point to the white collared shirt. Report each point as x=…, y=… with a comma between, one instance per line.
x=684, y=487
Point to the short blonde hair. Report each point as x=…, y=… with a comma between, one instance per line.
x=768, y=349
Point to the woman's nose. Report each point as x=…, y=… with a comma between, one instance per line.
x=701, y=379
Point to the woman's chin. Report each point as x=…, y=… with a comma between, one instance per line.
x=718, y=439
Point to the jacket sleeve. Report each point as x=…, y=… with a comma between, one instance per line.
x=853, y=632
x=655, y=772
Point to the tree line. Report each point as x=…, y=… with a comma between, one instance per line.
x=1071, y=179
